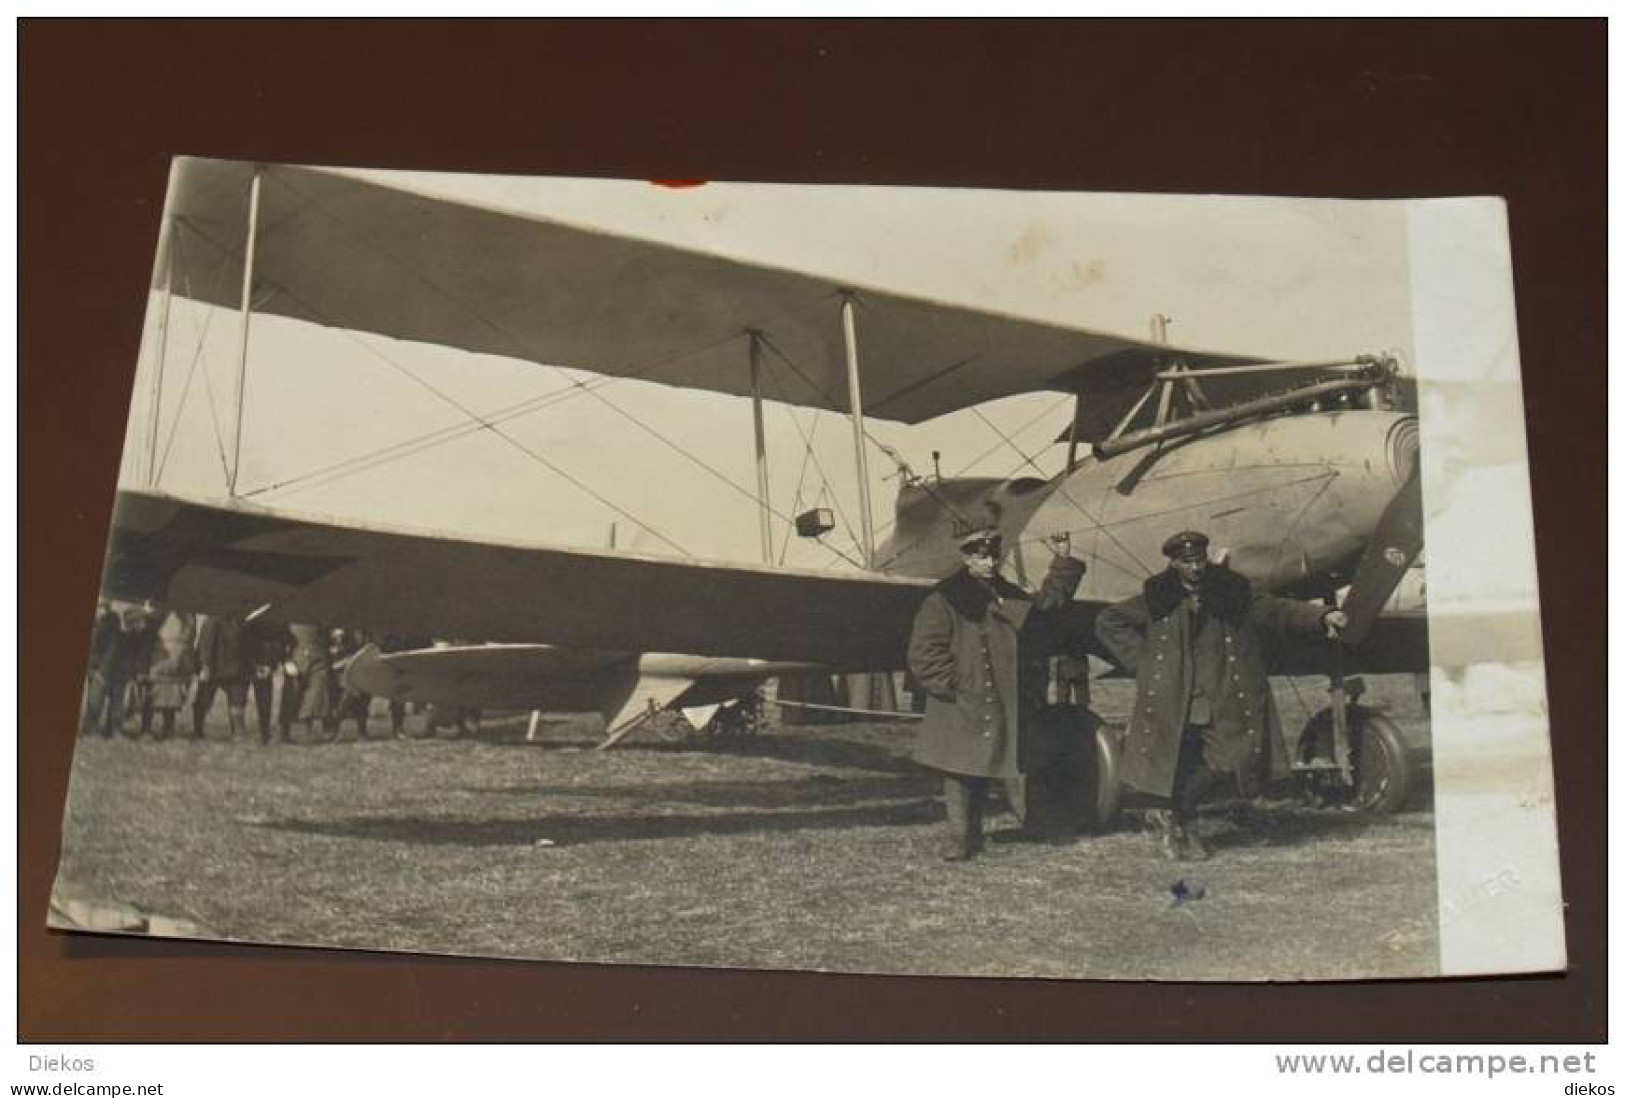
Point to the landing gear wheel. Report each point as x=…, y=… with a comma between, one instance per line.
x=737, y=720
x=1071, y=783
x=1107, y=796
x=671, y=726
x=1378, y=755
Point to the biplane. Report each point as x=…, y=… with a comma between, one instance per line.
x=1305, y=472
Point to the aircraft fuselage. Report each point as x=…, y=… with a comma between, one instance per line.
x=1290, y=501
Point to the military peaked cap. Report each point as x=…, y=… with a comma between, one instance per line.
x=977, y=537
x=1186, y=545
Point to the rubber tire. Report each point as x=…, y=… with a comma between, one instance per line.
x=671, y=726
x=732, y=722
x=1381, y=791
x=1108, y=792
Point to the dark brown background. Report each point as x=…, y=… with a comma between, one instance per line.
x=1365, y=109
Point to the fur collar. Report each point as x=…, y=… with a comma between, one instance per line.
x=1223, y=593
x=970, y=597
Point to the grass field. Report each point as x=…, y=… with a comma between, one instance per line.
x=808, y=848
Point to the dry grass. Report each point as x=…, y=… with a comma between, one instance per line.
x=812, y=848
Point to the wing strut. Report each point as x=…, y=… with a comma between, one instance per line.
x=854, y=394
x=763, y=507
x=1072, y=432
x=247, y=312
x=157, y=415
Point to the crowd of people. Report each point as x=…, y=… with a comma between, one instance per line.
x=151, y=668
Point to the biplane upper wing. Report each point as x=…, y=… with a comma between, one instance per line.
x=236, y=561
x=351, y=252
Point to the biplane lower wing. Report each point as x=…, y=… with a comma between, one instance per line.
x=607, y=609
x=237, y=561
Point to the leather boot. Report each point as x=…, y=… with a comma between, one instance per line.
x=964, y=819
x=1191, y=842
x=1200, y=782
x=1165, y=830
x=978, y=812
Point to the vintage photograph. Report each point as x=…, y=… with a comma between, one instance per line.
x=855, y=579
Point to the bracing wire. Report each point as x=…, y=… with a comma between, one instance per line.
x=191, y=371
x=431, y=439
x=801, y=480
x=1026, y=458
x=473, y=416
x=806, y=441
x=490, y=422
x=487, y=423
x=985, y=454
x=214, y=423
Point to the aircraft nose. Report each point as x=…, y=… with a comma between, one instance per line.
x=1403, y=449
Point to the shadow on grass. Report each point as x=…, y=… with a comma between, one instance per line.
x=575, y=830
x=1255, y=828
x=809, y=749
x=821, y=789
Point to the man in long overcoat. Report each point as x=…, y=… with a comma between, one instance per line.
x=1203, y=712
x=127, y=665
x=99, y=712
x=222, y=665
x=265, y=646
x=980, y=650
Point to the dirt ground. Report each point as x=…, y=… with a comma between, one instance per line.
x=809, y=847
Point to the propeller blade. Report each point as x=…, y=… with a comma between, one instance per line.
x=1392, y=550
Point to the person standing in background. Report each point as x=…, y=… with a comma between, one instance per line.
x=222, y=665
x=127, y=666
x=352, y=703
x=265, y=646
x=169, y=673
x=94, y=717
x=310, y=669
